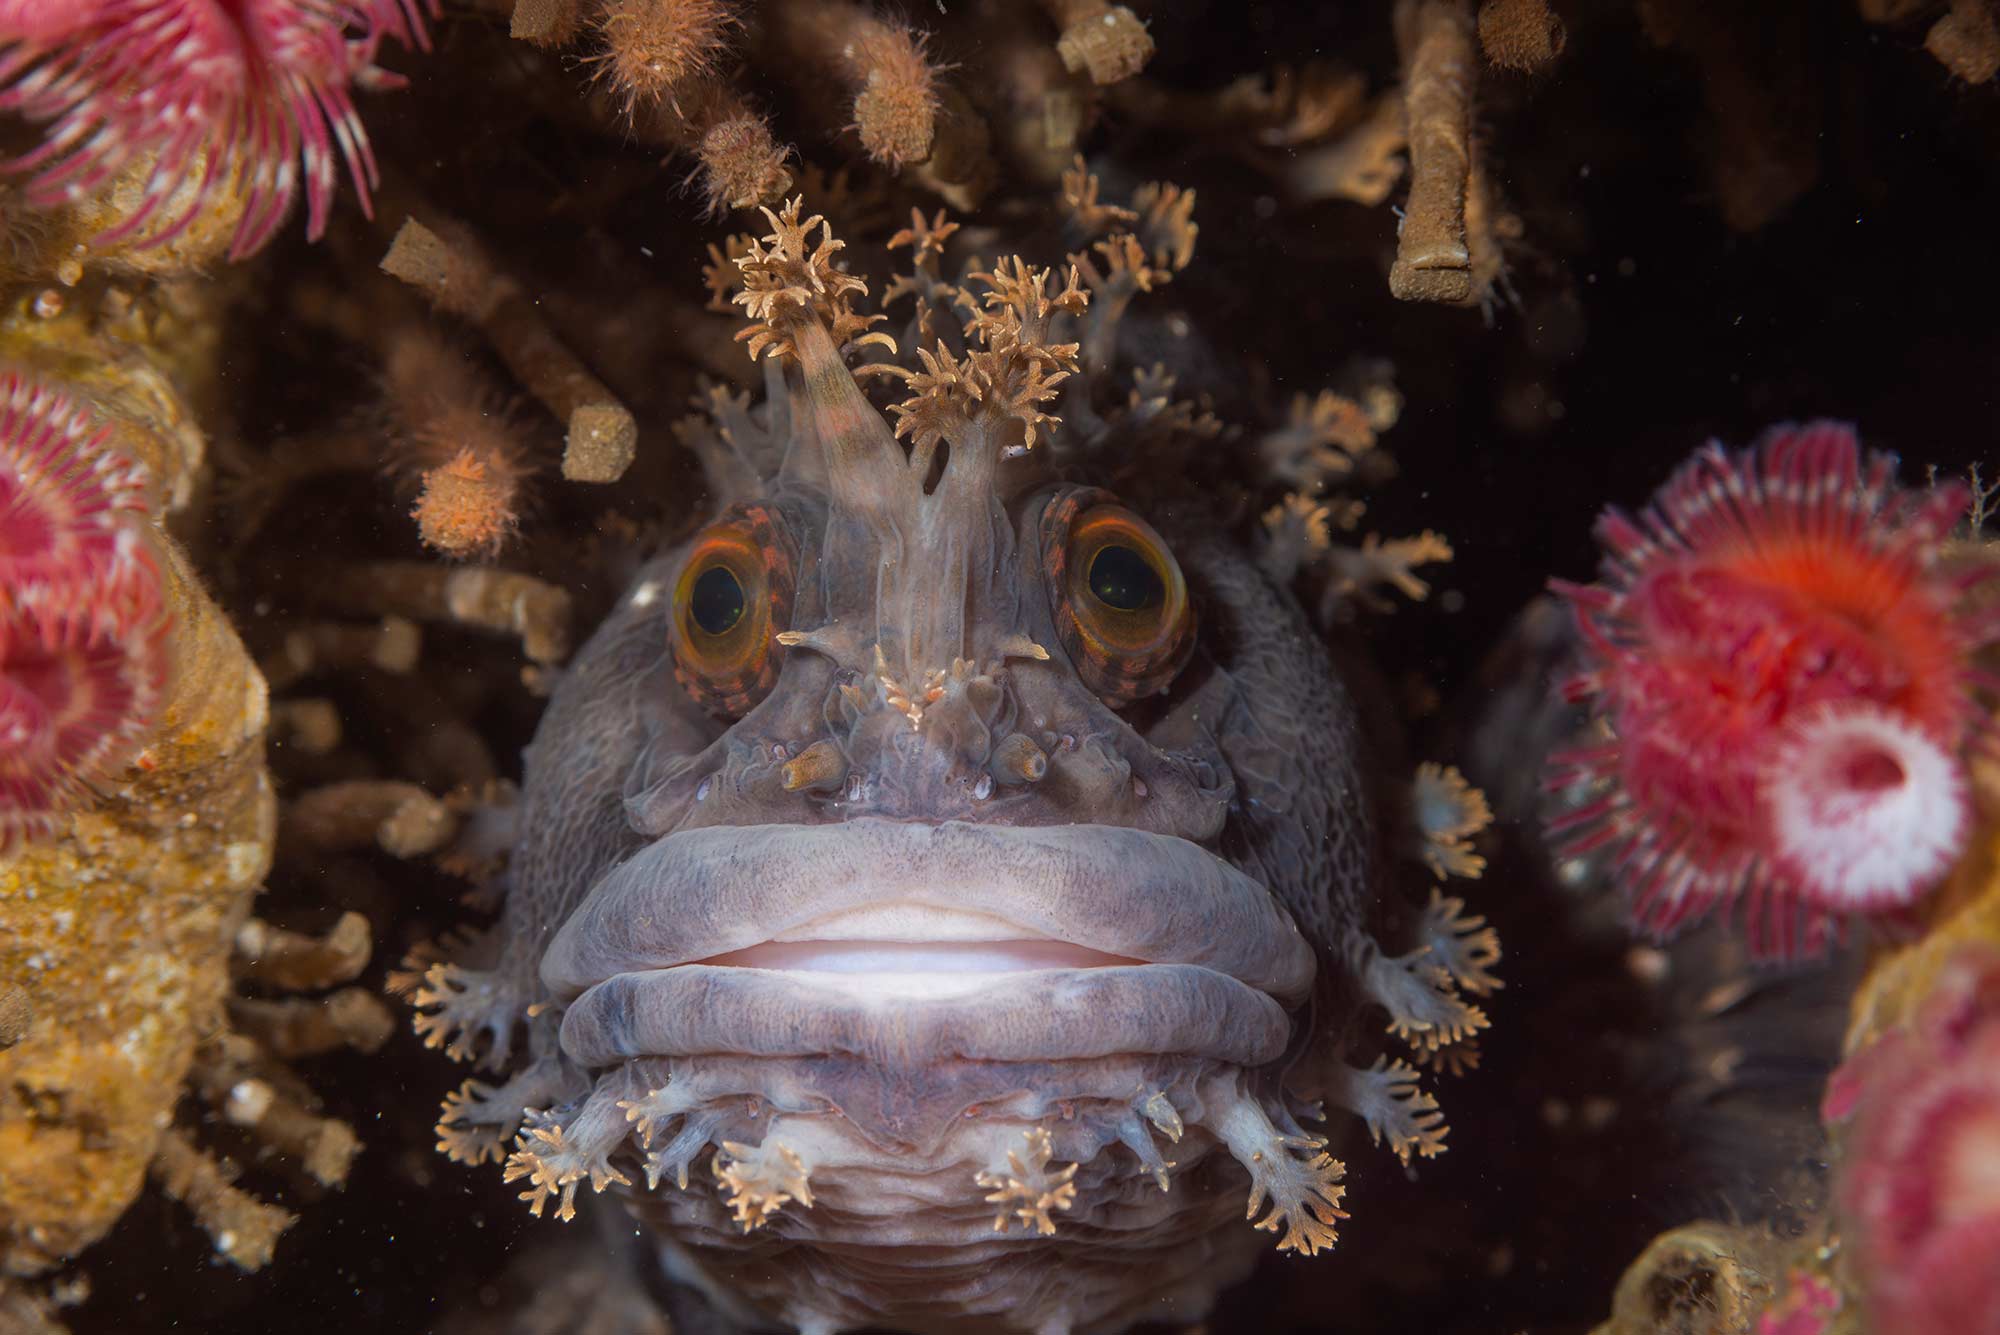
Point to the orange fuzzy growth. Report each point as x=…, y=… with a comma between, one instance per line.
x=891, y=88
x=466, y=507
x=896, y=108
x=654, y=48
x=741, y=165
x=457, y=439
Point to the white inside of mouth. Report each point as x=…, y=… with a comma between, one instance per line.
x=917, y=957
x=903, y=941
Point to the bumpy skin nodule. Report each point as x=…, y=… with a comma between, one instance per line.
x=1063, y=1146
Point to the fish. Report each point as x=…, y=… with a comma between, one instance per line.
x=954, y=887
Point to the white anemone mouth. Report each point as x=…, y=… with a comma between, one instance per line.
x=1868, y=810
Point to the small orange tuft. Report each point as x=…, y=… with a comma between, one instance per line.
x=466, y=507
x=457, y=443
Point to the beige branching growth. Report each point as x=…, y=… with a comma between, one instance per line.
x=1419, y=990
x=1449, y=811
x=759, y=1181
x=1323, y=437
x=1303, y=1189
x=1162, y=429
x=1361, y=164
x=785, y=283
x=1106, y=41
x=721, y=276
x=244, y=1229
x=1013, y=368
x=466, y=1141
x=925, y=239
x=1297, y=532
x=557, y=1152
x=1462, y=944
x=452, y=1004
x=1359, y=573
x=1440, y=71
x=1396, y=1109
x=540, y=1156
x=1140, y=260
x=1079, y=195
x=925, y=283
x=449, y=267
x=1029, y=1189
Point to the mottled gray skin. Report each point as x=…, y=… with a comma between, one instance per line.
x=1246, y=775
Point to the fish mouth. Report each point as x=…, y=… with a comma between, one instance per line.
x=911, y=943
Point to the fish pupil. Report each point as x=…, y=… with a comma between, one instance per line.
x=1121, y=578
x=716, y=603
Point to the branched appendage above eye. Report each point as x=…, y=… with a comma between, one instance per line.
x=784, y=283
x=1013, y=367
x=1026, y=1190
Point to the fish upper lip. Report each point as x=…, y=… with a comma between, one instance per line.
x=697, y=894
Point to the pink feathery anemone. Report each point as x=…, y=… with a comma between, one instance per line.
x=67, y=503
x=1779, y=660
x=1918, y=1185
x=250, y=96
x=83, y=626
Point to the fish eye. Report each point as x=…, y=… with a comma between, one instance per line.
x=732, y=598
x=1121, y=607
x=715, y=604
x=1121, y=579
